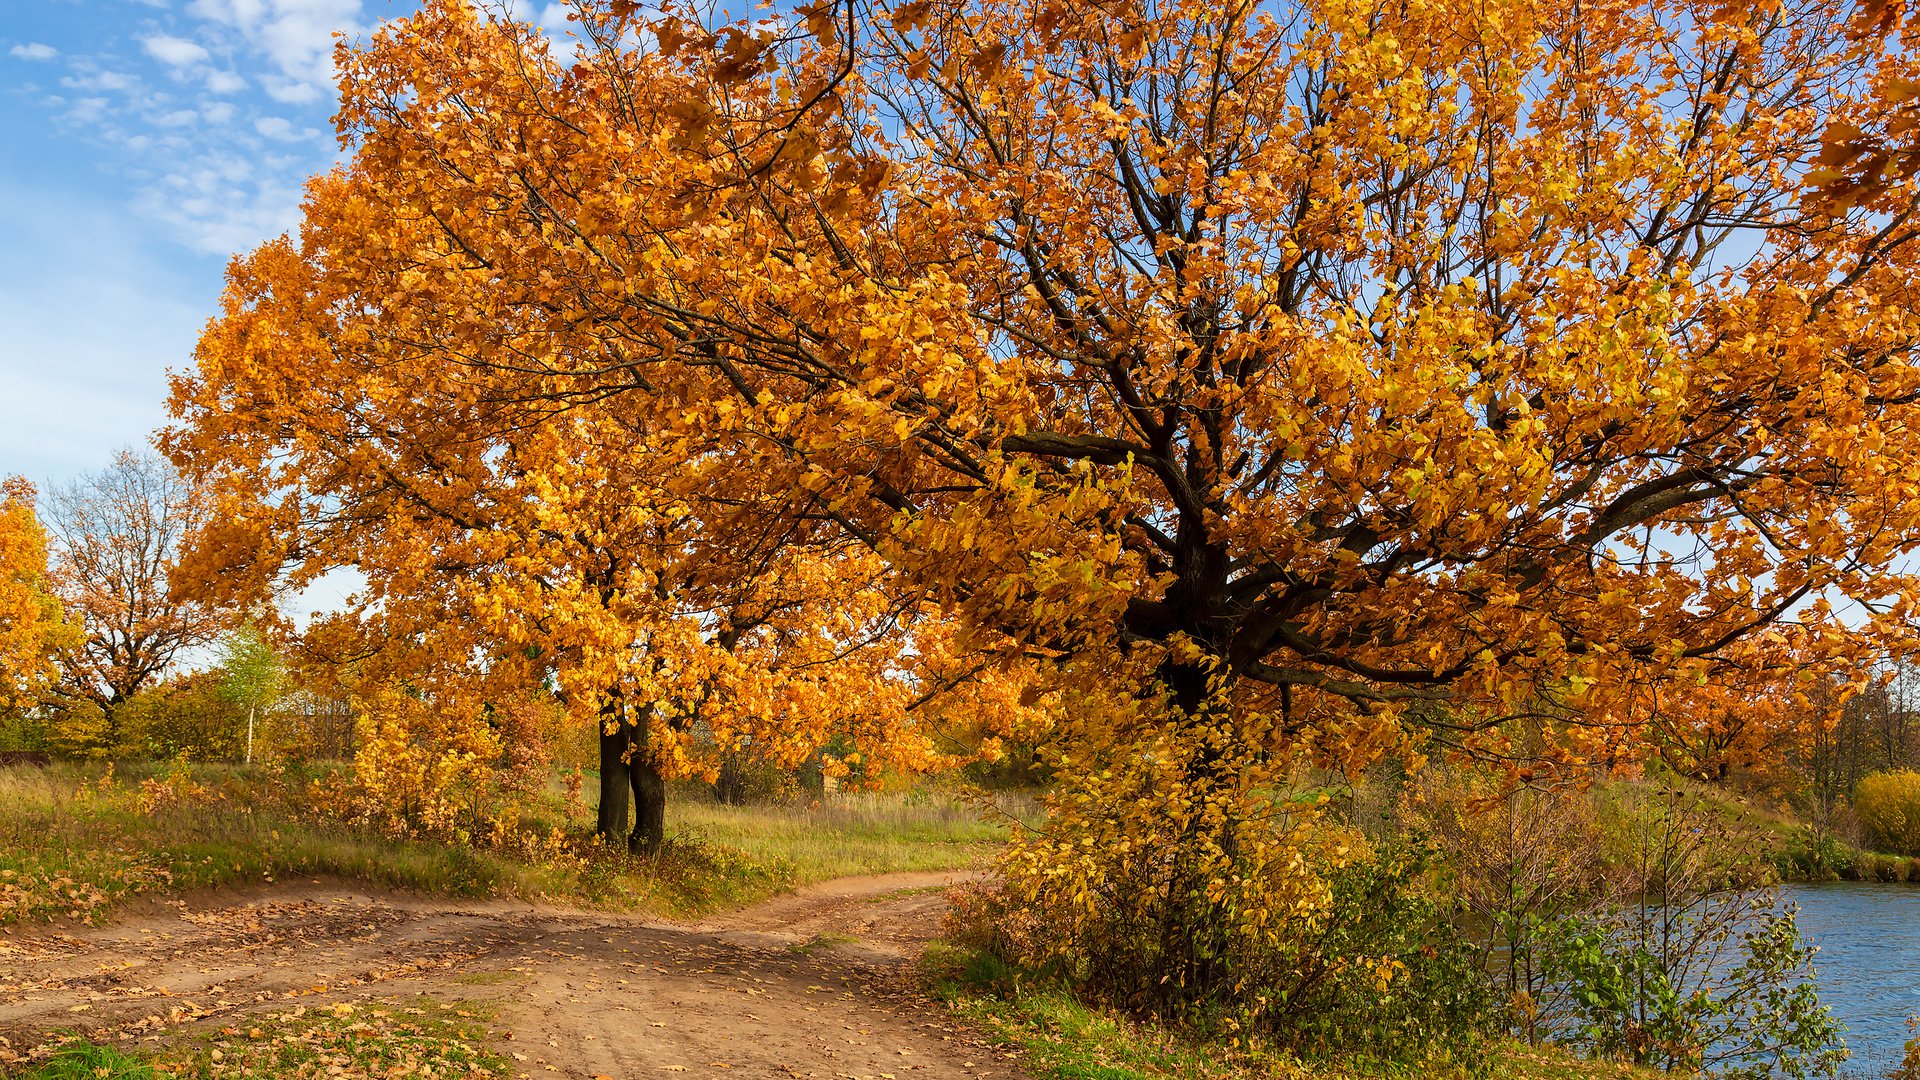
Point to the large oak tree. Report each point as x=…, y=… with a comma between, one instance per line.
x=1319, y=371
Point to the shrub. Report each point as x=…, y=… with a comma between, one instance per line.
x=182, y=717
x=1888, y=805
x=1649, y=990
x=1909, y=1067
x=1821, y=857
x=746, y=779
x=446, y=769
x=1697, y=969
x=1223, y=901
x=1516, y=859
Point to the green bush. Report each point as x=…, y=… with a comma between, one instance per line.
x=1820, y=856
x=1330, y=997
x=184, y=717
x=1642, y=994
x=1888, y=805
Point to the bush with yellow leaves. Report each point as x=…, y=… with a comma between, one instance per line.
x=1176, y=875
x=1888, y=805
x=447, y=768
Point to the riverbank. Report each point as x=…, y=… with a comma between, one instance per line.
x=1062, y=1038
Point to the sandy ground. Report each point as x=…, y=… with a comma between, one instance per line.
x=808, y=985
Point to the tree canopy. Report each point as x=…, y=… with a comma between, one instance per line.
x=1347, y=358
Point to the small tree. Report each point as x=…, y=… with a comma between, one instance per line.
x=252, y=675
x=1698, y=969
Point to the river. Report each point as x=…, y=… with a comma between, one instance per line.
x=1869, y=963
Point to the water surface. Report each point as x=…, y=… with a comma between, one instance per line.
x=1869, y=963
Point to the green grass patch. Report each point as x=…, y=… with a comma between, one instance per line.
x=82, y=1060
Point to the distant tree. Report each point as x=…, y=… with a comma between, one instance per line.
x=252, y=675
x=116, y=539
x=32, y=626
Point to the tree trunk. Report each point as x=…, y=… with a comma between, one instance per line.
x=650, y=808
x=615, y=782
x=626, y=769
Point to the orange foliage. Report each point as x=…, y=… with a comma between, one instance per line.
x=1097, y=347
x=1231, y=384
x=31, y=623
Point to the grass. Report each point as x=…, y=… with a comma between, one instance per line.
x=76, y=839
x=854, y=833
x=80, y=1060
x=1063, y=1038
x=368, y=1041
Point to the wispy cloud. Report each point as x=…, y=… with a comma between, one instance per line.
x=215, y=110
x=295, y=35
x=177, y=52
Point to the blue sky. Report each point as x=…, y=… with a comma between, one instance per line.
x=145, y=142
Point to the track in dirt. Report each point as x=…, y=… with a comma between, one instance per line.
x=807, y=985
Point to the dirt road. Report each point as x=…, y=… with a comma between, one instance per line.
x=807, y=985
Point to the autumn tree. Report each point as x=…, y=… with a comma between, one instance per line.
x=507, y=547
x=116, y=539
x=32, y=625
x=1282, y=382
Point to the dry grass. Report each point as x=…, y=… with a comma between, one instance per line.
x=854, y=833
x=75, y=839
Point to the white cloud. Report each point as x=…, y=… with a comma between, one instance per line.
x=100, y=80
x=227, y=201
x=554, y=19
x=292, y=91
x=214, y=111
x=34, y=50
x=297, y=35
x=177, y=52
x=86, y=110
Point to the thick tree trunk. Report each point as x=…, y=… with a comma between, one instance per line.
x=627, y=770
x=615, y=781
x=650, y=808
